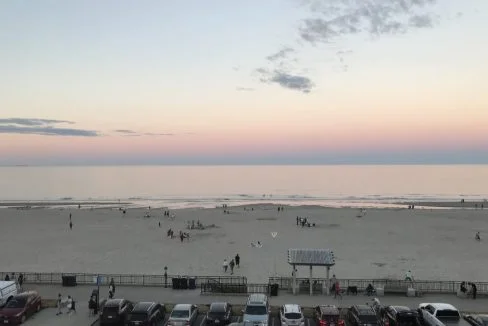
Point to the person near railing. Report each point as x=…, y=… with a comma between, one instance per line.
x=111, y=289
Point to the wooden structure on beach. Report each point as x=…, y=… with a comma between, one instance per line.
x=310, y=258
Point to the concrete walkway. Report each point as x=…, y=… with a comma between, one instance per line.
x=82, y=293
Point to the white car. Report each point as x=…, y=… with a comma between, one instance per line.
x=183, y=315
x=291, y=315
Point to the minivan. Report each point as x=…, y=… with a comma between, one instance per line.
x=256, y=312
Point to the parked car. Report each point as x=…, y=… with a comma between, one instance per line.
x=146, y=314
x=438, y=314
x=362, y=315
x=291, y=315
x=399, y=316
x=20, y=307
x=477, y=320
x=219, y=313
x=256, y=312
x=115, y=312
x=183, y=315
x=328, y=315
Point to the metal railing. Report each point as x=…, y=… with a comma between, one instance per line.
x=424, y=286
x=212, y=287
x=120, y=279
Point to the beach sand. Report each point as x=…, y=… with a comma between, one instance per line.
x=434, y=244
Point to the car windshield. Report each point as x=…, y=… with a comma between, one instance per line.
x=293, y=315
x=137, y=317
x=408, y=321
x=111, y=310
x=368, y=319
x=16, y=303
x=216, y=313
x=256, y=310
x=447, y=313
x=180, y=314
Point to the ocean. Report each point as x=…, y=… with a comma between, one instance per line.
x=209, y=186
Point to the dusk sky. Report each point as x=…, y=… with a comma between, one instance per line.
x=243, y=82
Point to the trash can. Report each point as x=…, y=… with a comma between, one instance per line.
x=176, y=283
x=68, y=280
x=274, y=290
x=184, y=283
x=192, y=283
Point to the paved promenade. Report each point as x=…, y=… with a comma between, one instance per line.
x=82, y=293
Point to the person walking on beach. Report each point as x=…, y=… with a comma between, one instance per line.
x=232, y=264
x=337, y=290
x=20, y=281
x=408, y=276
x=111, y=289
x=333, y=281
x=238, y=260
x=59, y=303
x=477, y=236
x=225, y=265
x=71, y=305
x=70, y=225
x=474, y=289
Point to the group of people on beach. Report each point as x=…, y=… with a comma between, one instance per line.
x=471, y=292
x=235, y=262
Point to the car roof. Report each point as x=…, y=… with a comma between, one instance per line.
x=182, y=306
x=143, y=306
x=364, y=309
x=25, y=294
x=257, y=298
x=292, y=308
x=218, y=306
x=113, y=302
x=329, y=309
x=401, y=308
x=440, y=306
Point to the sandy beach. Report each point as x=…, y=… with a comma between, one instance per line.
x=434, y=244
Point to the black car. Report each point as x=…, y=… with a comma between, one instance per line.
x=328, y=315
x=219, y=313
x=146, y=314
x=115, y=312
x=477, y=320
x=362, y=315
x=400, y=316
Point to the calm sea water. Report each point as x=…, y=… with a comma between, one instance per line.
x=207, y=186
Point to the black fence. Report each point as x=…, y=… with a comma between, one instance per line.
x=120, y=279
x=214, y=287
x=389, y=285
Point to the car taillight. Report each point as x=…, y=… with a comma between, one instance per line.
x=323, y=323
x=387, y=322
x=341, y=322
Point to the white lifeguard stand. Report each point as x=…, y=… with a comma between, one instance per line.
x=310, y=258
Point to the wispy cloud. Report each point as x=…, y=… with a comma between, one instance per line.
x=132, y=133
x=244, y=89
x=46, y=127
x=332, y=21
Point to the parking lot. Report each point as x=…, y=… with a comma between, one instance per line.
x=200, y=321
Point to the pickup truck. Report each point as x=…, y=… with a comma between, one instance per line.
x=440, y=314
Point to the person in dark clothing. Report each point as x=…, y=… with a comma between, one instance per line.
x=463, y=287
x=20, y=280
x=7, y=277
x=474, y=289
x=237, y=260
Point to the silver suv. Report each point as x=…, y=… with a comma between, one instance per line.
x=256, y=312
x=291, y=315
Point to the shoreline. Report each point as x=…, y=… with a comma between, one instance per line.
x=191, y=204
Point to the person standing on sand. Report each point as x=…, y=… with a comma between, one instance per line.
x=225, y=265
x=332, y=283
x=111, y=289
x=59, y=303
x=238, y=260
x=232, y=264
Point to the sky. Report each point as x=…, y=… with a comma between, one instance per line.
x=243, y=82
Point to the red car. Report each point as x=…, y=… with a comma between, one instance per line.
x=20, y=307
